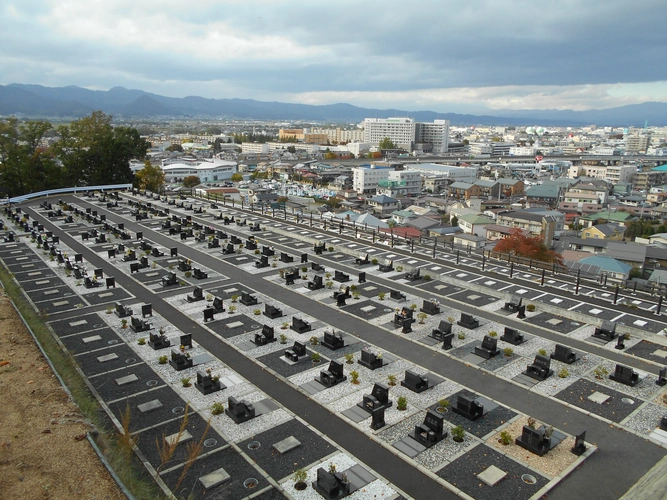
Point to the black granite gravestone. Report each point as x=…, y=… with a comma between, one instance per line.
x=468, y=407
x=540, y=369
x=432, y=431
x=512, y=336
x=415, y=382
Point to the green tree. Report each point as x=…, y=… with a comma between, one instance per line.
x=25, y=167
x=149, y=177
x=291, y=149
x=175, y=147
x=191, y=181
x=454, y=221
x=387, y=143
x=236, y=177
x=93, y=152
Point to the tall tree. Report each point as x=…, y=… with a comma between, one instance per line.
x=25, y=166
x=149, y=177
x=387, y=143
x=93, y=152
x=191, y=181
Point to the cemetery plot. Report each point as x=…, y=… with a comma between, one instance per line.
x=61, y=304
x=368, y=309
x=437, y=287
x=558, y=300
x=599, y=399
x=552, y=322
x=106, y=360
x=90, y=340
x=464, y=473
x=645, y=324
x=285, y=448
x=228, y=326
x=596, y=311
x=150, y=408
x=79, y=324
x=519, y=291
x=195, y=428
x=125, y=382
x=17, y=261
x=51, y=294
x=222, y=474
x=107, y=295
x=649, y=350
x=38, y=284
x=473, y=298
x=34, y=274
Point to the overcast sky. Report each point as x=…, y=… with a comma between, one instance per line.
x=463, y=56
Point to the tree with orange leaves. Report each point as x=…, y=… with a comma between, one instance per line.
x=529, y=247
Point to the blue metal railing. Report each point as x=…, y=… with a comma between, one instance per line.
x=75, y=189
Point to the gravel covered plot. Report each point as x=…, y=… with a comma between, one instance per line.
x=233, y=463
x=195, y=425
x=312, y=449
x=565, y=326
x=642, y=323
x=481, y=427
x=436, y=456
x=393, y=433
x=614, y=408
x=646, y=350
x=463, y=472
x=646, y=419
x=276, y=362
x=474, y=298
x=496, y=362
x=437, y=287
x=371, y=289
x=646, y=389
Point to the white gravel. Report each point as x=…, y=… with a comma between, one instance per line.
x=646, y=419
x=435, y=457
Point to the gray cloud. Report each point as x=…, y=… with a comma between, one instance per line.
x=266, y=48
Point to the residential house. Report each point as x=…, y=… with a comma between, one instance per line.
x=612, y=232
x=474, y=224
x=543, y=195
x=495, y=232
x=469, y=241
x=463, y=190
x=607, y=216
x=401, y=217
x=536, y=223
x=383, y=204
x=511, y=187
x=488, y=189
x=607, y=265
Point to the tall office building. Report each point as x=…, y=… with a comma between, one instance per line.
x=405, y=132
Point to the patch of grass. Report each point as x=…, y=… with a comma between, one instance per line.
x=130, y=471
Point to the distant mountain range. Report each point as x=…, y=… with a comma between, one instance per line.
x=50, y=102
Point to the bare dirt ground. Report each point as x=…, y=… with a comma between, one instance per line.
x=44, y=453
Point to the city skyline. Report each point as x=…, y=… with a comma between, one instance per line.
x=484, y=56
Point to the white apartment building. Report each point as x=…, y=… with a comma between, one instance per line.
x=436, y=134
x=365, y=180
x=401, y=131
x=480, y=148
x=254, y=148
x=450, y=172
x=613, y=173
x=340, y=135
x=401, y=182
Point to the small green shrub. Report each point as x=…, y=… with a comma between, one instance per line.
x=315, y=357
x=391, y=380
x=443, y=404
x=413, y=306
x=402, y=403
x=563, y=373
x=493, y=333
x=186, y=382
x=314, y=340
x=427, y=277
x=283, y=338
x=354, y=377
x=458, y=433
x=141, y=341
x=188, y=274
x=505, y=438
x=257, y=312
x=349, y=359
x=382, y=295
x=530, y=308
x=421, y=317
x=232, y=309
x=217, y=408
x=163, y=360
x=600, y=372
x=462, y=336
x=374, y=262
x=542, y=352
x=508, y=351
x=235, y=298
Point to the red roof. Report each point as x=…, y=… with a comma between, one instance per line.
x=403, y=232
